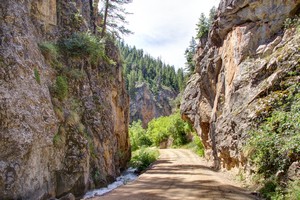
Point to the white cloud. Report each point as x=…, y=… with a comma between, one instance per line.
x=163, y=28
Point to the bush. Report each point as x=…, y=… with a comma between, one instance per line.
x=275, y=144
x=143, y=158
x=83, y=45
x=293, y=190
x=61, y=88
x=292, y=22
x=138, y=136
x=196, y=145
x=49, y=50
x=163, y=128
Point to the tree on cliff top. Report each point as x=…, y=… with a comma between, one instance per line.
x=205, y=23
x=114, y=17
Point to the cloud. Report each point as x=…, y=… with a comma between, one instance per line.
x=163, y=28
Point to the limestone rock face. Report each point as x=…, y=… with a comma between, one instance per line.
x=145, y=105
x=246, y=57
x=50, y=147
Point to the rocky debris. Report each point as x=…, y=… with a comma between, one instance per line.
x=294, y=171
x=246, y=56
x=48, y=146
x=145, y=105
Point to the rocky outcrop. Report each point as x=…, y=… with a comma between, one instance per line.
x=247, y=55
x=146, y=106
x=50, y=146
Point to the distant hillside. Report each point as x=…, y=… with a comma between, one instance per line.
x=150, y=83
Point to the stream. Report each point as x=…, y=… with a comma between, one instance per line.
x=127, y=176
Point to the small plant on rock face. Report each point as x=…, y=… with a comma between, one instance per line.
x=275, y=144
x=61, y=87
x=292, y=22
x=83, y=45
x=37, y=76
x=49, y=50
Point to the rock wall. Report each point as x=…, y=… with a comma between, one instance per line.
x=246, y=57
x=48, y=146
x=146, y=106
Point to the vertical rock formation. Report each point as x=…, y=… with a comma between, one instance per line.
x=146, y=106
x=247, y=55
x=51, y=146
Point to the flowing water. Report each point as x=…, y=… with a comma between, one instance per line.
x=127, y=176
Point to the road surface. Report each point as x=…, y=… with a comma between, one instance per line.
x=179, y=174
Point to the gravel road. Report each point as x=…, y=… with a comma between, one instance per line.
x=179, y=174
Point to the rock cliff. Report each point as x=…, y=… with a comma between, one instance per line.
x=146, y=106
x=63, y=119
x=247, y=57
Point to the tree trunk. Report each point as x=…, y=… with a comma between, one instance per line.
x=105, y=18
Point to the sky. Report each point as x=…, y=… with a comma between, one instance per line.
x=164, y=28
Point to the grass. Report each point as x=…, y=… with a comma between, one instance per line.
x=61, y=87
x=196, y=145
x=37, y=76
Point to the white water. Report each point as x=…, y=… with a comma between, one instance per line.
x=126, y=177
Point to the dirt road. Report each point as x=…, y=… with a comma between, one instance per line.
x=179, y=174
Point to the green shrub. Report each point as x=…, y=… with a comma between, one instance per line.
x=83, y=45
x=196, y=145
x=275, y=143
x=142, y=158
x=138, y=136
x=61, y=87
x=292, y=22
x=163, y=128
x=49, y=50
x=293, y=190
x=37, y=76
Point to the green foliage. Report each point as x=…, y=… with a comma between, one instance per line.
x=196, y=145
x=271, y=190
x=61, y=87
x=205, y=23
x=202, y=27
x=114, y=18
x=275, y=143
x=292, y=22
x=138, y=136
x=83, y=45
x=37, y=76
x=163, y=128
x=49, y=50
x=57, y=140
x=293, y=190
x=189, y=55
x=142, y=158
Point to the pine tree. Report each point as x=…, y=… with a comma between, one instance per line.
x=189, y=55
x=202, y=27
x=114, y=17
